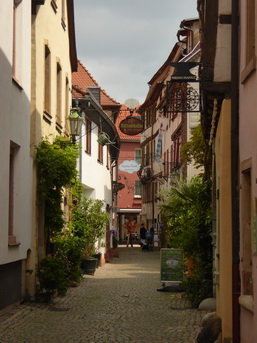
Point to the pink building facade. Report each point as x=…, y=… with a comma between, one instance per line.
x=129, y=197
x=248, y=172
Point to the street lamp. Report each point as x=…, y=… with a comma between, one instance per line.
x=75, y=123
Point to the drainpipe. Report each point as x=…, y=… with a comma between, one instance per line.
x=152, y=157
x=235, y=167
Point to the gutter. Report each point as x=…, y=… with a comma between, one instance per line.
x=89, y=106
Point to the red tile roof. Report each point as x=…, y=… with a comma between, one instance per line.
x=83, y=79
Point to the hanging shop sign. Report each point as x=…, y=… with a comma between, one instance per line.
x=117, y=186
x=129, y=166
x=131, y=126
x=182, y=91
x=182, y=71
x=172, y=265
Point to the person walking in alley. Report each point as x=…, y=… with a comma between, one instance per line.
x=130, y=230
x=149, y=238
x=142, y=236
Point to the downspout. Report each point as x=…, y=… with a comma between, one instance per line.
x=235, y=167
x=152, y=157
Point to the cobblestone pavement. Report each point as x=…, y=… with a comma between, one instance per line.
x=119, y=304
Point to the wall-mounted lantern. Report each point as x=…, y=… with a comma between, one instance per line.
x=75, y=123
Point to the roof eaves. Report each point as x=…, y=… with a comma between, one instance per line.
x=91, y=108
x=72, y=39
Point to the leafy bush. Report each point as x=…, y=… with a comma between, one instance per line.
x=187, y=212
x=70, y=249
x=52, y=276
x=89, y=222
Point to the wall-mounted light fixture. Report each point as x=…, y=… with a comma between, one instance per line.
x=75, y=123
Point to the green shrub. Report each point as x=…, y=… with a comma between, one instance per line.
x=187, y=213
x=89, y=222
x=70, y=248
x=52, y=276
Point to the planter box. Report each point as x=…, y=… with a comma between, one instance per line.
x=98, y=257
x=88, y=265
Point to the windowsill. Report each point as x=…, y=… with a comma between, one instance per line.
x=54, y=5
x=246, y=301
x=17, y=83
x=58, y=126
x=12, y=242
x=47, y=117
x=63, y=24
x=249, y=69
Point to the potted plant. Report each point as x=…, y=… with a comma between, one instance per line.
x=98, y=256
x=89, y=221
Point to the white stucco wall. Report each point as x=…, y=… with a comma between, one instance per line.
x=222, y=72
x=96, y=177
x=15, y=128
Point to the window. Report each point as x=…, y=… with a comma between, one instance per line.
x=88, y=129
x=67, y=98
x=58, y=93
x=176, y=152
x=17, y=40
x=250, y=30
x=108, y=157
x=12, y=186
x=246, y=258
x=250, y=59
x=47, y=89
x=166, y=163
x=147, y=155
x=138, y=156
x=171, y=157
x=137, y=189
x=100, y=149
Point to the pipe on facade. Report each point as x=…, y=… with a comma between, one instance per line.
x=234, y=167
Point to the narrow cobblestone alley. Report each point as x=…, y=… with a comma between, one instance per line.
x=119, y=304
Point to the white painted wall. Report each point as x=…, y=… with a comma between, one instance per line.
x=95, y=177
x=222, y=72
x=15, y=127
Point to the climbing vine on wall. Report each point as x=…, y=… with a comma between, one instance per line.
x=56, y=169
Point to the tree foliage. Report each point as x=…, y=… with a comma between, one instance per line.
x=187, y=213
x=197, y=151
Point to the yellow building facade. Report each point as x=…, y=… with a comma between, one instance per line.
x=223, y=234
x=53, y=61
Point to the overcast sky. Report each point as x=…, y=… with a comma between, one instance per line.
x=123, y=43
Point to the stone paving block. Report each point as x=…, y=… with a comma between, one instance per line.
x=119, y=304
